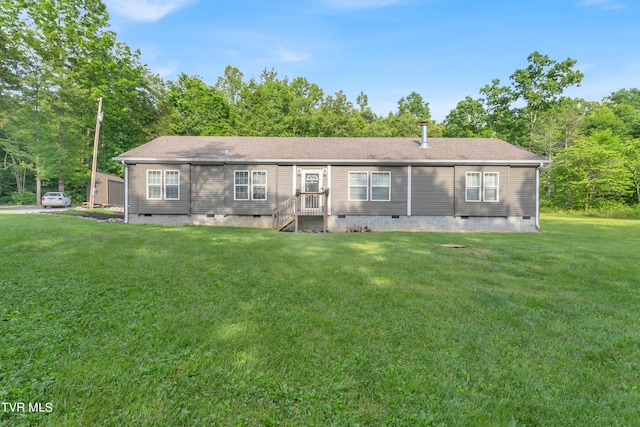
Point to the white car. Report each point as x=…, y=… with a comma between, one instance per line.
x=57, y=198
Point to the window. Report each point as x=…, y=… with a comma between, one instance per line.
x=381, y=186
x=250, y=187
x=241, y=185
x=154, y=184
x=482, y=187
x=172, y=185
x=358, y=186
x=259, y=185
x=490, y=187
x=473, y=187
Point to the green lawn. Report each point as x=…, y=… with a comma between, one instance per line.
x=114, y=324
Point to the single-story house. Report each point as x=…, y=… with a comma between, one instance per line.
x=386, y=184
x=109, y=190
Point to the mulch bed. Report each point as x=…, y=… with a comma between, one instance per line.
x=115, y=217
x=95, y=216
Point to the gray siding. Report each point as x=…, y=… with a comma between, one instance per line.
x=341, y=205
x=208, y=189
x=138, y=202
x=285, y=187
x=116, y=193
x=435, y=191
x=522, y=191
x=251, y=207
x=499, y=208
x=213, y=189
x=432, y=190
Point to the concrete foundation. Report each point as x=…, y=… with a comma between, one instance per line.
x=435, y=223
x=339, y=224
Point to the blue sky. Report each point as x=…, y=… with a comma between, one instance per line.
x=442, y=49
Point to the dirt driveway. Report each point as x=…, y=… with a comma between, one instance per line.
x=114, y=217
x=15, y=209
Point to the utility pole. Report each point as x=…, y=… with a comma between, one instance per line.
x=92, y=188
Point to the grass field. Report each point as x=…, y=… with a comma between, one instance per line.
x=114, y=324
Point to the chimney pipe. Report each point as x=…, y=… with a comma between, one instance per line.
x=423, y=141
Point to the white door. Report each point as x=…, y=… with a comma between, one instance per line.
x=311, y=183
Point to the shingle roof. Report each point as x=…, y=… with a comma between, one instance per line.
x=230, y=149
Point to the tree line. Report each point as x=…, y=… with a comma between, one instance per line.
x=58, y=57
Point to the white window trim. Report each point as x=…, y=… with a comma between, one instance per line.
x=482, y=188
x=385, y=186
x=366, y=186
x=166, y=185
x=236, y=185
x=467, y=187
x=252, y=185
x=497, y=187
x=154, y=185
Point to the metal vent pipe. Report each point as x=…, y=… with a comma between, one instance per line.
x=423, y=142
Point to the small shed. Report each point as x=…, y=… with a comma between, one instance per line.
x=109, y=190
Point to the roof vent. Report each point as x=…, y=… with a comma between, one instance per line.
x=423, y=141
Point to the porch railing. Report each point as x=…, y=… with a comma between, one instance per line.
x=284, y=214
x=301, y=204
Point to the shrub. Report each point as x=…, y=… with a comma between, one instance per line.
x=24, y=198
x=619, y=210
x=548, y=206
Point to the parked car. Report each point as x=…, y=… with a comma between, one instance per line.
x=56, y=198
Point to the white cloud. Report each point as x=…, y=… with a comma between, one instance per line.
x=268, y=46
x=360, y=4
x=145, y=10
x=166, y=71
x=603, y=4
x=289, y=55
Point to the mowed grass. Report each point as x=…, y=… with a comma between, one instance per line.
x=116, y=324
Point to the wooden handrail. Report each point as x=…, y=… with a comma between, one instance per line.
x=285, y=213
x=301, y=204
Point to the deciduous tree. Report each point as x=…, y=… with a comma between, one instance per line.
x=196, y=108
x=337, y=116
x=264, y=106
x=591, y=172
x=468, y=119
x=306, y=99
x=502, y=119
x=542, y=83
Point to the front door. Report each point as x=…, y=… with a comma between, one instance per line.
x=311, y=183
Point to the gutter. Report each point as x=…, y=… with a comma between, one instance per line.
x=304, y=162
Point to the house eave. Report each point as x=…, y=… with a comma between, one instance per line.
x=337, y=162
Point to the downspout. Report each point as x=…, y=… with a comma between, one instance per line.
x=329, y=186
x=409, y=190
x=126, y=192
x=538, y=196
